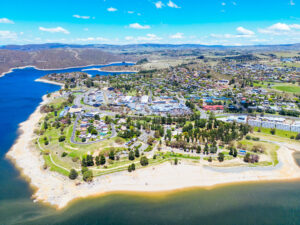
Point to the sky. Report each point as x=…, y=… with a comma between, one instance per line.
x=208, y=22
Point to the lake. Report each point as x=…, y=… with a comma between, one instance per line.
x=248, y=203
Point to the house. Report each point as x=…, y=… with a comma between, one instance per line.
x=213, y=107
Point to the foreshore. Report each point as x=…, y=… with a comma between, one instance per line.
x=57, y=190
x=107, y=71
x=49, y=82
x=64, y=68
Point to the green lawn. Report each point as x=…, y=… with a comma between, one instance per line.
x=288, y=88
x=280, y=133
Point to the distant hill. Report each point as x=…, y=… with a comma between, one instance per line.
x=35, y=47
x=49, y=56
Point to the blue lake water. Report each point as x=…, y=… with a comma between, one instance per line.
x=251, y=203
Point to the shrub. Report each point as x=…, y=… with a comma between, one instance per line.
x=298, y=137
x=221, y=157
x=88, y=176
x=131, y=155
x=273, y=131
x=61, y=138
x=64, y=154
x=248, y=137
x=175, y=161
x=73, y=174
x=144, y=161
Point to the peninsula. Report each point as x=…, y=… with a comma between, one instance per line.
x=157, y=130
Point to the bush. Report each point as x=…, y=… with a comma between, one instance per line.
x=221, y=157
x=131, y=167
x=248, y=137
x=255, y=138
x=75, y=159
x=144, y=161
x=175, y=161
x=273, y=131
x=131, y=155
x=61, y=138
x=64, y=154
x=88, y=176
x=73, y=174
x=298, y=137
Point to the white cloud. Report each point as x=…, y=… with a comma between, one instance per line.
x=130, y=12
x=91, y=39
x=82, y=17
x=5, y=20
x=129, y=38
x=173, y=5
x=223, y=3
x=111, y=9
x=241, y=33
x=139, y=26
x=6, y=34
x=280, y=29
x=292, y=2
x=54, y=30
x=149, y=37
x=244, y=31
x=177, y=36
x=159, y=4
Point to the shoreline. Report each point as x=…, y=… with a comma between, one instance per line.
x=59, y=191
x=49, y=82
x=122, y=71
x=64, y=68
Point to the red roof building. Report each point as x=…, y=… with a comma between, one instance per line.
x=213, y=107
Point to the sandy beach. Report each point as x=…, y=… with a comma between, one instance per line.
x=57, y=190
x=49, y=82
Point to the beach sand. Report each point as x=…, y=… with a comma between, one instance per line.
x=57, y=190
x=49, y=82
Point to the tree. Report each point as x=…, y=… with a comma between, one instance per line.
x=198, y=149
x=175, y=161
x=221, y=157
x=144, y=161
x=131, y=167
x=88, y=176
x=234, y=153
x=111, y=154
x=298, y=137
x=131, y=155
x=62, y=138
x=137, y=153
x=45, y=125
x=102, y=160
x=247, y=157
x=97, y=159
x=90, y=160
x=73, y=174
x=273, y=131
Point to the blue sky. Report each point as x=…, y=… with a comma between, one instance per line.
x=225, y=22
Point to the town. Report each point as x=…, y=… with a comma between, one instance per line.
x=199, y=111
